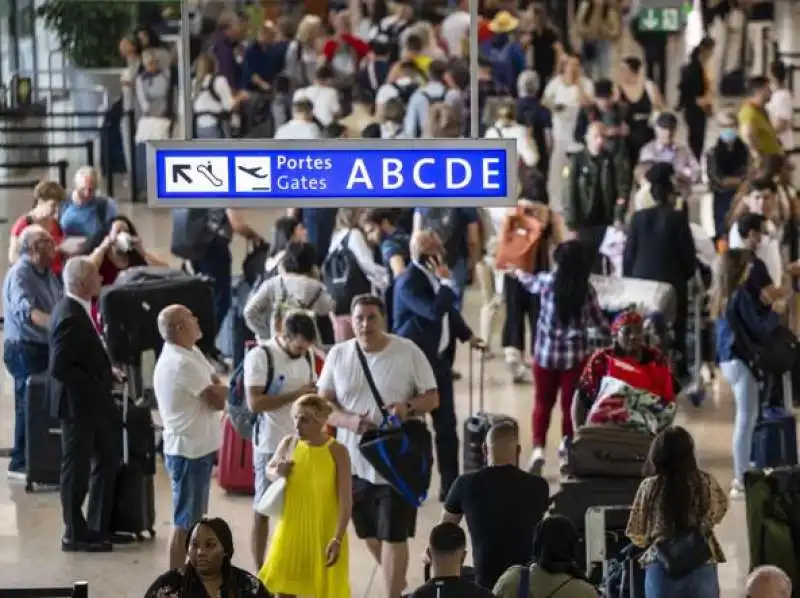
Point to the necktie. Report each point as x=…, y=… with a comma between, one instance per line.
x=95, y=317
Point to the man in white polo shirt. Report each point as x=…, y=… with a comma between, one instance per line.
x=190, y=399
x=276, y=373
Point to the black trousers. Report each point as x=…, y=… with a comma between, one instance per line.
x=445, y=424
x=655, y=55
x=681, y=317
x=91, y=456
x=521, y=307
x=696, y=123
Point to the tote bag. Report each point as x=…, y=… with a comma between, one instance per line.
x=270, y=504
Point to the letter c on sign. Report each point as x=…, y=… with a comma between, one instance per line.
x=417, y=173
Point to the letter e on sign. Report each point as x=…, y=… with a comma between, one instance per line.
x=490, y=173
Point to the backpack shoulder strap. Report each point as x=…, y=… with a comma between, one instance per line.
x=101, y=208
x=523, y=589
x=270, y=367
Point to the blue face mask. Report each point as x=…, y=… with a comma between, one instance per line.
x=728, y=135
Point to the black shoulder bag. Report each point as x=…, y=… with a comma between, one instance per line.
x=401, y=452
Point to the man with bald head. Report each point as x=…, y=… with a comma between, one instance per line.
x=501, y=503
x=80, y=388
x=30, y=292
x=768, y=581
x=596, y=189
x=190, y=398
x=426, y=312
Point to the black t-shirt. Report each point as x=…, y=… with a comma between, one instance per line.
x=502, y=506
x=451, y=587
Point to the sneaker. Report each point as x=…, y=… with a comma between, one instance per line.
x=737, y=490
x=17, y=474
x=563, y=448
x=537, y=461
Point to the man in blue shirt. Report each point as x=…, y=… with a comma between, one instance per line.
x=393, y=244
x=86, y=213
x=30, y=291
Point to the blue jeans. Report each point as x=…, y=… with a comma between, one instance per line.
x=191, y=485
x=700, y=583
x=745, y=397
x=218, y=264
x=22, y=359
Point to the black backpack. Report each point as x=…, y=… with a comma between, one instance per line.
x=404, y=92
x=192, y=233
x=444, y=222
x=343, y=277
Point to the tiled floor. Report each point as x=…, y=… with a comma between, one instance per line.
x=30, y=524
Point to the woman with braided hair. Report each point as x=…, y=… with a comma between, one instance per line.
x=208, y=572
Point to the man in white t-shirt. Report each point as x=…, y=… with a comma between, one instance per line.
x=276, y=373
x=190, y=398
x=405, y=379
x=323, y=95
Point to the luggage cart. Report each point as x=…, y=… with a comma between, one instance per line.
x=597, y=539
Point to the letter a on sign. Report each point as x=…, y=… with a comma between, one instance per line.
x=359, y=175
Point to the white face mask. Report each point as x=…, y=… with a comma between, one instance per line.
x=124, y=241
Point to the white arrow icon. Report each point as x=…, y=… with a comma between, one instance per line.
x=650, y=21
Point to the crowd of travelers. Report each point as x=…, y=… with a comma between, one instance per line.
x=605, y=190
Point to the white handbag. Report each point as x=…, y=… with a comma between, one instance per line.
x=270, y=504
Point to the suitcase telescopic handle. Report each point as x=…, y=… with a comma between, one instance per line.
x=471, y=380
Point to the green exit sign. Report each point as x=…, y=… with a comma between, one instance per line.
x=667, y=20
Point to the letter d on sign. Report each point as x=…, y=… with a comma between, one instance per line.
x=451, y=164
x=392, y=170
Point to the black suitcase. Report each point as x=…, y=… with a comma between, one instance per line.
x=576, y=496
x=42, y=437
x=477, y=425
x=131, y=305
x=134, y=506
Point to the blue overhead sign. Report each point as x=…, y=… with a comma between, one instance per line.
x=332, y=173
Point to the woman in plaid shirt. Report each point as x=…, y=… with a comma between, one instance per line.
x=569, y=310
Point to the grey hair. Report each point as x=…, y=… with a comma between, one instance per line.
x=528, y=84
x=85, y=172
x=75, y=272
x=29, y=235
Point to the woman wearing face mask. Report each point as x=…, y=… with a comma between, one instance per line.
x=118, y=248
x=208, y=571
x=727, y=163
x=308, y=554
x=628, y=369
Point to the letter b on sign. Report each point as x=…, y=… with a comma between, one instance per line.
x=392, y=173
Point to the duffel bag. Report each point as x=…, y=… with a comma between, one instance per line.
x=130, y=309
x=608, y=451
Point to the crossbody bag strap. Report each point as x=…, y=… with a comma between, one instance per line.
x=371, y=382
x=554, y=592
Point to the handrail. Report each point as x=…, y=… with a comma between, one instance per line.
x=79, y=589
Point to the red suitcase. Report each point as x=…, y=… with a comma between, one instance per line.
x=235, y=462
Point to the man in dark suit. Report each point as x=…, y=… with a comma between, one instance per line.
x=80, y=385
x=425, y=312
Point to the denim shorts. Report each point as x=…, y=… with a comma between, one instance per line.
x=191, y=485
x=260, y=462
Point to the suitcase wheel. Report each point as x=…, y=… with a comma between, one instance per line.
x=28, y=486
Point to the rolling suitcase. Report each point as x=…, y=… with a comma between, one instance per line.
x=772, y=498
x=608, y=452
x=235, y=473
x=42, y=437
x=576, y=497
x=477, y=425
x=775, y=434
x=603, y=542
x=130, y=306
x=134, y=507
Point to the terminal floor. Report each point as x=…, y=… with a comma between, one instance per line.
x=30, y=524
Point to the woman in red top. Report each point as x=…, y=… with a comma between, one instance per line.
x=118, y=248
x=47, y=199
x=629, y=361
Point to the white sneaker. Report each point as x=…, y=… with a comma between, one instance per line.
x=537, y=461
x=17, y=475
x=737, y=490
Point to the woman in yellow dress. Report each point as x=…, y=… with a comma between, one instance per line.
x=308, y=555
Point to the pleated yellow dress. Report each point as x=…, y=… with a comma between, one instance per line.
x=295, y=561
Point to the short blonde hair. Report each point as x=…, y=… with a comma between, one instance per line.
x=307, y=29
x=318, y=405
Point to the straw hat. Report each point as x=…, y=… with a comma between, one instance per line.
x=503, y=22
